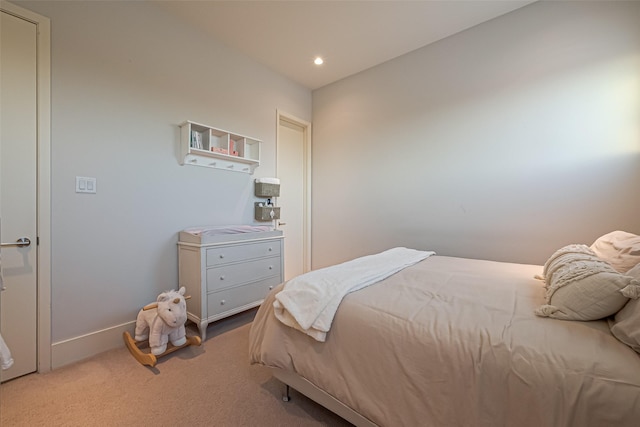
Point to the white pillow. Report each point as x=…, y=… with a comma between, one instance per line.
x=618, y=248
x=581, y=286
x=626, y=324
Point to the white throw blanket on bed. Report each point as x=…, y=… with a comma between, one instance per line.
x=309, y=302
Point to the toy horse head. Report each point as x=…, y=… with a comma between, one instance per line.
x=172, y=307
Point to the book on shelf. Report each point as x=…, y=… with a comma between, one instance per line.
x=196, y=139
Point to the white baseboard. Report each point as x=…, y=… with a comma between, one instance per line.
x=84, y=346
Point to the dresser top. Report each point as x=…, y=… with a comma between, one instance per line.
x=228, y=233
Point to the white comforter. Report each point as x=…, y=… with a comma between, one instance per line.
x=309, y=302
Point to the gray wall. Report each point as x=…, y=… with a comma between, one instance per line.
x=124, y=76
x=502, y=142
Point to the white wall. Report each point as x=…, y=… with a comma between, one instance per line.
x=124, y=76
x=502, y=142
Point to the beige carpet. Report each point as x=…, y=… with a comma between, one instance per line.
x=210, y=385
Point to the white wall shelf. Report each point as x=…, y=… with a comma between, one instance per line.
x=203, y=145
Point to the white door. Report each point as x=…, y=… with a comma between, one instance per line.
x=293, y=166
x=18, y=165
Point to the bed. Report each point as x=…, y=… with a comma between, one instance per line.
x=457, y=342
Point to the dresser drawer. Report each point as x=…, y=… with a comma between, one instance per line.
x=235, y=253
x=237, y=274
x=229, y=299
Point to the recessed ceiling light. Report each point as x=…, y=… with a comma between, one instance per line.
x=318, y=61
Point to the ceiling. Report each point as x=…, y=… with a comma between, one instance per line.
x=351, y=36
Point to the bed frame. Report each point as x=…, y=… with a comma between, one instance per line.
x=319, y=396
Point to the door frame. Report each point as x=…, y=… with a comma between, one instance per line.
x=306, y=207
x=43, y=170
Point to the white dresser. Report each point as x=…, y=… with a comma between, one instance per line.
x=228, y=273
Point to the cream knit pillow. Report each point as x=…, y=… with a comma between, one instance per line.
x=581, y=286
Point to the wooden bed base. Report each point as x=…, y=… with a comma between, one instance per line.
x=319, y=396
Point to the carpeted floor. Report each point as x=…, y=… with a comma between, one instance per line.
x=210, y=385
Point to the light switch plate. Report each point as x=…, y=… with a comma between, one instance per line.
x=85, y=184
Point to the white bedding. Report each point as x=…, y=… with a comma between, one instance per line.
x=309, y=302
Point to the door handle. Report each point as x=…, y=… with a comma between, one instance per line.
x=282, y=223
x=21, y=242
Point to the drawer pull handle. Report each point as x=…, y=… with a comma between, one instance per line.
x=221, y=277
x=270, y=287
x=270, y=249
x=271, y=267
x=221, y=256
x=222, y=302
